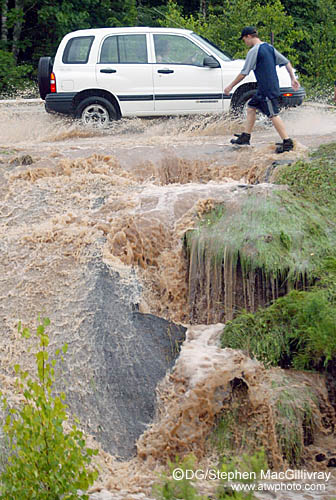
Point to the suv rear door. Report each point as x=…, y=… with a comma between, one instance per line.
x=123, y=70
x=181, y=82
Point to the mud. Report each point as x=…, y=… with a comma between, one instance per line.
x=126, y=196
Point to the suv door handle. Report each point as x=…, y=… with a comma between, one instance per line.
x=108, y=70
x=165, y=71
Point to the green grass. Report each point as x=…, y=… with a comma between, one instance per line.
x=297, y=330
x=294, y=418
x=284, y=233
x=278, y=233
x=315, y=179
x=4, y=151
x=186, y=486
x=287, y=239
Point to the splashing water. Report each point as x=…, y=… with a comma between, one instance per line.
x=127, y=195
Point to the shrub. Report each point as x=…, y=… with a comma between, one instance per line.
x=170, y=488
x=297, y=330
x=314, y=180
x=182, y=487
x=45, y=462
x=12, y=77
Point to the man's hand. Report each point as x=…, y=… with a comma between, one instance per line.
x=295, y=84
x=235, y=82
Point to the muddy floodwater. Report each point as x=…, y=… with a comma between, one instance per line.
x=129, y=193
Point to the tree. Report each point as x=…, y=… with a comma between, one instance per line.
x=17, y=27
x=45, y=462
x=12, y=76
x=4, y=29
x=223, y=25
x=318, y=49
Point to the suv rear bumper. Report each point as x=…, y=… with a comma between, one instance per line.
x=290, y=97
x=61, y=102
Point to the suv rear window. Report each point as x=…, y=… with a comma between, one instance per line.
x=77, y=50
x=131, y=49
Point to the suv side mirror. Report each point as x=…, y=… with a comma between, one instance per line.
x=211, y=62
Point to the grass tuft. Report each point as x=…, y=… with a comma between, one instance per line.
x=275, y=232
x=297, y=330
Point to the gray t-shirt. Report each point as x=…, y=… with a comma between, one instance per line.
x=263, y=58
x=252, y=56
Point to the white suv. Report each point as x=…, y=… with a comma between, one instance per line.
x=104, y=74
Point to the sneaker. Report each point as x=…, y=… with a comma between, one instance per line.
x=286, y=145
x=241, y=139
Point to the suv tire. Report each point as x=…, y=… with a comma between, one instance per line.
x=96, y=111
x=43, y=75
x=238, y=108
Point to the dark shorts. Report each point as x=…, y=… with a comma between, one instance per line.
x=270, y=107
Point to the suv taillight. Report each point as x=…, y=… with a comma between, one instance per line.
x=52, y=83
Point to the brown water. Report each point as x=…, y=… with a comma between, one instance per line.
x=129, y=194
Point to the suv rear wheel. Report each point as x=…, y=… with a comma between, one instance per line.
x=96, y=111
x=43, y=75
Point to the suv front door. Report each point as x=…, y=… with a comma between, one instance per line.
x=123, y=70
x=181, y=82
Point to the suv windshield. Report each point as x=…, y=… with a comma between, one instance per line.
x=211, y=46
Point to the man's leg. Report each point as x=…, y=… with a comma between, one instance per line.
x=287, y=143
x=279, y=127
x=250, y=119
x=245, y=137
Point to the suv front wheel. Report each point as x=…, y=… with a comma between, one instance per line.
x=238, y=108
x=96, y=112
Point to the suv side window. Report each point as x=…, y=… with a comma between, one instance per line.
x=77, y=50
x=131, y=49
x=175, y=49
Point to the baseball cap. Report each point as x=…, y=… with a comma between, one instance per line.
x=248, y=30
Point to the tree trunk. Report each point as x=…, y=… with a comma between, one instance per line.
x=4, y=29
x=17, y=27
x=203, y=9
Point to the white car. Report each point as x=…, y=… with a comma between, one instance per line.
x=104, y=74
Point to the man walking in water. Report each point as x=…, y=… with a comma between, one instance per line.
x=263, y=58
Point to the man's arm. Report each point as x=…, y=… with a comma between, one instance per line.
x=235, y=82
x=281, y=60
x=294, y=82
x=249, y=65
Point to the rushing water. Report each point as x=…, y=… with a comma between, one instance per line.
x=129, y=193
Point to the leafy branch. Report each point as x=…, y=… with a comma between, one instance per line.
x=45, y=462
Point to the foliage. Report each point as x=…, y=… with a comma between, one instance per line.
x=276, y=232
x=169, y=488
x=244, y=464
x=223, y=435
x=304, y=31
x=12, y=76
x=314, y=179
x=294, y=417
x=297, y=330
x=223, y=24
x=45, y=462
x=317, y=49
